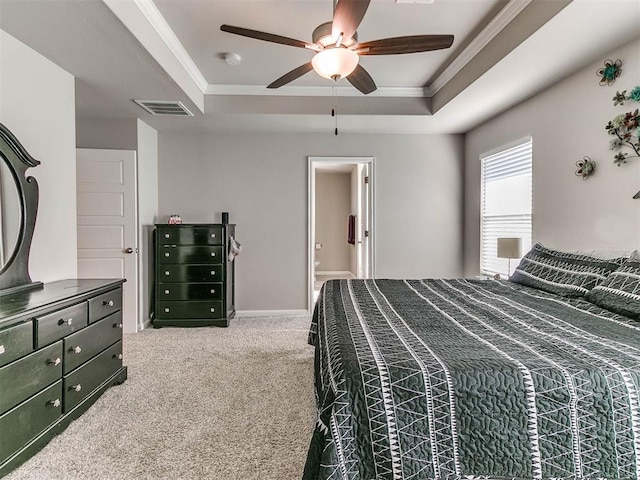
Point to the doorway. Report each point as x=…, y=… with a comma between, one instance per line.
x=341, y=220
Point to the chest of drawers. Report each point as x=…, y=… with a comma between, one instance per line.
x=60, y=349
x=194, y=278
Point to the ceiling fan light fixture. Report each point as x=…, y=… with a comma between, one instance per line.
x=335, y=63
x=322, y=35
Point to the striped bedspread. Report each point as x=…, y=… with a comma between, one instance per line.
x=453, y=379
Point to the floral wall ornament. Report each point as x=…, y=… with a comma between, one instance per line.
x=609, y=72
x=586, y=167
x=619, y=98
x=625, y=127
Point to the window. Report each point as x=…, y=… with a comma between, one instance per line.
x=506, y=204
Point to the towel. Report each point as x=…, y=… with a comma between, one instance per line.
x=234, y=248
x=351, y=238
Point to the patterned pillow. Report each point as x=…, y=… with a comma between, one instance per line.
x=562, y=273
x=620, y=291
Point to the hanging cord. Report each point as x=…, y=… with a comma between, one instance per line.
x=334, y=110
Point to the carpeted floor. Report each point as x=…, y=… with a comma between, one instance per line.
x=200, y=403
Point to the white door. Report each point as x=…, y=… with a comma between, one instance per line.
x=107, y=219
x=364, y=222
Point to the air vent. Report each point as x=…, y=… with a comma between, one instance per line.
x=162, y=107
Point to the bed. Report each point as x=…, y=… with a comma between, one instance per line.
x=448, y=379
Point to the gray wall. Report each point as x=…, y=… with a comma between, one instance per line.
x=333, y=207
x=353, y=251
x=37, y=104
x=567, y=122
x=109, y=133
x=261, y=179
x=147, y=211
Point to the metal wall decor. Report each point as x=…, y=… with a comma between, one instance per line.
x=609, y=72
x=586, y=167
x=625, y=127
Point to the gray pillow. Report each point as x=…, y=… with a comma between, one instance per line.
x=562, y=273
x=620, y=291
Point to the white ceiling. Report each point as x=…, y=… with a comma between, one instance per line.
x=504, y=52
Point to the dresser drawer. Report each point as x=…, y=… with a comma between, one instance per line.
x=61, y=323
x=190, y=273
x=190, y=291
x=105, y=304
x=29, y=375
x=85, y=344
x=16, y=342
x=188, y=235
x=190, y=310
x=191, y=254
x=84, y=380
x=28, y=419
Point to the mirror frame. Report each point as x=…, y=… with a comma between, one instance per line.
x=14, y=275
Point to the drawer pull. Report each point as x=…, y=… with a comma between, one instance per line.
x=68, y=321
x=166, y=272
x=167, y=292
x=166, y=235
x=166, y=310
x=75, y=388
x=213, y=235
x=77, y=349
x=213, y=254
x=108, y=303
x=55, y=362
x=213, y=290
x=54, y=403
x=2, y=350
x=117, y=357
x=167, y=254
x=117, y=325
x=213, y=272
x=212, y=309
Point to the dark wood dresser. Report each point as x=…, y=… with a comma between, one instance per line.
x=60, y=349
x=194, y=277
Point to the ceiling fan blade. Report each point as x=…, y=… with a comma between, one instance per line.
x=291, y=76
x=267, y=37
x=411, y=44
x=361, y=79
x=347, y=17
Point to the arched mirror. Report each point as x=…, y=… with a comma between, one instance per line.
x=10, y=214
x=18, y=208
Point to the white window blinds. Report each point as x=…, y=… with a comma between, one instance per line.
x=506, y=204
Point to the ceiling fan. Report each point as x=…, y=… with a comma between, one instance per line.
x=337, y=49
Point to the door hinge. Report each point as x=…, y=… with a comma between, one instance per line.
x=366, y=179
x=366, y=233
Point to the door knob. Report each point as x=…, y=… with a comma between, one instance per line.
x=128, y=250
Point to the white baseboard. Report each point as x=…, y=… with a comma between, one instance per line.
x=271, y=313
x=333, y=272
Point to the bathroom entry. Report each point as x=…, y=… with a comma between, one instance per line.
x=340, y=220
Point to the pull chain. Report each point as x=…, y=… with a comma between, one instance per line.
x=334, y=110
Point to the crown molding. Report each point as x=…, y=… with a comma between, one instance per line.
x=316, y=91
x=488, y=33
x=160, y=25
